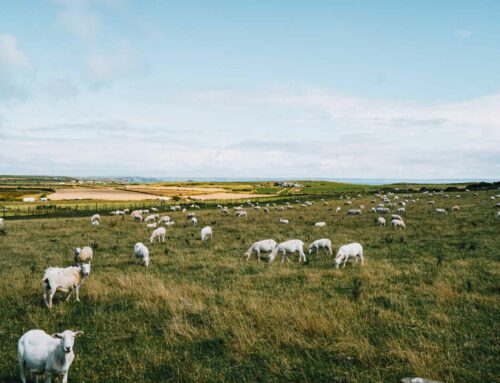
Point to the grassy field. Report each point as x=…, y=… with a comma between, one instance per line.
x=426, y=302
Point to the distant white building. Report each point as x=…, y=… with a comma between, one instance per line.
x=28, y=199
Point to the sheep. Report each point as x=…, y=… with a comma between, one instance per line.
x=194, y=221
x=158, y=234
x=94, y=223
x=431, y=203
x=397, y=223
x=145, y=211
x=190, y=215
x=206, y=233
x=281, y=208
x=441, y=211
x=42, y=353
x=154, y=209
x=352, y=250
x=395, y=216
x=284, y=221
x=353, y=212
x=151, y=225
x=95, y=217
x=320, y=224
x=83, y=254
x=164, y=219
x=125, y=211
x=266, y=210
x=1, y=221
x=338, y=209
x=224, y=211
x=264, y=246
x=321, y=244
x=141, y=252
x=291, y=246
x=150, y=218
x=401, y=210
x=137, y=217
x=65, y=280
x=170, y=223
x=455, y=208
x=347, y=203
x=381, y=221
x=241, y=213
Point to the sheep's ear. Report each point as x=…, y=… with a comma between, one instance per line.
x=77, y=333
x=57, y=335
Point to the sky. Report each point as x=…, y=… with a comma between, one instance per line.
x=247, y=88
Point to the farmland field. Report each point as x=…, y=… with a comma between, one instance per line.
x=425, y=303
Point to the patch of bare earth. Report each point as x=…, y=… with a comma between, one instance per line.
x=108, y=194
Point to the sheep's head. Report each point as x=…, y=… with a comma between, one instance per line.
x=77, y=250
x=67, y=339
x=85, y=269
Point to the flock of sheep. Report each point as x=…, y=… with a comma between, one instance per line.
x=53, y=355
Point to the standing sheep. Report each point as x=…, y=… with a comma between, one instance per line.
x=265, y=245
x=65, y=280
x=42, y=353
x=352, y=250
x=398, y=223
x=321, y=244
x=291, y=246
x=381, y=221
x=158, y=234
x=206, y=233
x=83, y=254
x=141, y=253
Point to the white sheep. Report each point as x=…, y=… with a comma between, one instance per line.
x=94, y=223
x=381, y=221
x=352, y=250
x=154, y=209
x=321, y=244
x=164, y=219
x=190, y=215
x=224, y=211
x=83, y=254
x=65, y=280
x=320, y=224
x=151, y=225
x=206, y=233
x=395, y=216
x=241, y=213
x=150, y=218
x=170, y=223
x=455, y=208
x=141, y=252
x=194, y=221
x=284, y=221
x=291, y=246
x=265, y=245
x=338, y=209
x=42, y=353
x=441, y=211
x=95, y=217
x=401, y=210
x=354, y=212
x=137, y=217
x=398, y=223
x=266, y=210
x=158, y=234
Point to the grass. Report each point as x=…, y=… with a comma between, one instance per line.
x=426, y=303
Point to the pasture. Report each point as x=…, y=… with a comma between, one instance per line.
x=426, y=303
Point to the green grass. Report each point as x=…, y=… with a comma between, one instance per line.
x=426, y=302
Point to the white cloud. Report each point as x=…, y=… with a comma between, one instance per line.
x=10, y=54
x=77, y=17
x=463, y=33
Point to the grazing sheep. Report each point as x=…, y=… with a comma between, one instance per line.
x=354, y=212
x=291, y=246
x=158, y=234
x=95, y=217
x=194, y=221
x=125, y=211
x=190, y=215
x=441, y=211
x=281, y=208
x=321, y=244
x=431, y=203
x=150, y=218
x=146, y=211
x=95, y=223
x=455, y=208
x=401, y=210
x=241, y=213
x=397, y=223
x=42, y=353
x=83, y=254
x=395, y=216
x=382, y=209
x=265, y=245
x=347, y=203
x=137, y=217
x=320, y=224
x=65, y=280
x=352, y=250
x=266, y=210
x=141, y=252
x=338, y=209
x=164, y=219
x=224, y=210
x=381, y=221
x=206, y=233
x=154, y=209
x=170, y=223
x=151, y=225
x=284, y=221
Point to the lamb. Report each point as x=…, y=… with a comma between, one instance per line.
x=64, y=279
x=151, y=225
x=321, y=244
x=264, y=246
x=194, y=221
x=141, y=252
x=320, y=224
x=95, y=217
x=206, y=233
x=158, y=234
x=83, y=254
x=291, y=246
x=42, y=353
x=397, y=223
x=284, y=221
x=455, y=208
x=150, y=218
x=381, y=221
x=441, y=211
x=352, y=250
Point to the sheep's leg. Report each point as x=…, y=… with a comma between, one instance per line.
x=69, y=295
x=51, y=296
x=361, y=259
x=21, y=370
x=302, y=254
x=258, y=254
x=77, y=293
x=45, y=298
x=65, y=377
x=48, y=377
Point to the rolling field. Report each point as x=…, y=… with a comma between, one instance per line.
x=426, y=303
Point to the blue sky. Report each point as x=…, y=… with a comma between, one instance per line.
x=288, y=88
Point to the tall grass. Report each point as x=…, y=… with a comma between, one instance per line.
x=425, y=303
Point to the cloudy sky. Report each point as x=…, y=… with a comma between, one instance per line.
x=274, y=88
